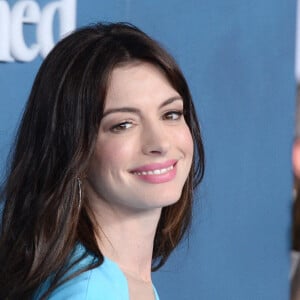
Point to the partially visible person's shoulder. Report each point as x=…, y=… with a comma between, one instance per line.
x=105, y=282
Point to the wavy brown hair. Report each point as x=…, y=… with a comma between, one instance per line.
x=42, y=221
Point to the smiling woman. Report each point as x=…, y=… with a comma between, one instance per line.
x=107, y=157
x=144, y=147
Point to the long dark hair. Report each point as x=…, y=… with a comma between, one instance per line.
x=43, y=218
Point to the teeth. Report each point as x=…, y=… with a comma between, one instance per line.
x=155, y=172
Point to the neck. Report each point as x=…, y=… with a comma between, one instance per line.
x=129, y=243
x=127, y=237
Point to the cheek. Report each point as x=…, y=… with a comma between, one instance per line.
x=113, y=154
x=185, y=140
x=296, y=158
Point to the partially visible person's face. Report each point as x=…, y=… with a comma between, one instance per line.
x=144, y=147
x=296, y=158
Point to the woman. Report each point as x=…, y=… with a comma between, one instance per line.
x=106, y=159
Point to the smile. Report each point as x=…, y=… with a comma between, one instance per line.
x=155, y=172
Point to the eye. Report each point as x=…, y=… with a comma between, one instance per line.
x=173, y=115
x=121, y=126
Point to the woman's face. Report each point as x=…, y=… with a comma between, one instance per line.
x=144, y=148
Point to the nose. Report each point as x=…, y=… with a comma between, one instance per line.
x=155, y=140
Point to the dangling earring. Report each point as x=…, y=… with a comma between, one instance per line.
x=79, y=191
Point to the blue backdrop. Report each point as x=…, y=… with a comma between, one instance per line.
x=238, y=57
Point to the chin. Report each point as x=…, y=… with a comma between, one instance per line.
x=168, y=200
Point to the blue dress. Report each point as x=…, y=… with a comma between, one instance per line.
x=106, y=282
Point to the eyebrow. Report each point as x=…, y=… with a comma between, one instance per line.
x=137, y=111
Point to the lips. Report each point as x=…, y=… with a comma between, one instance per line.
x=155, y=166
x=156, y=172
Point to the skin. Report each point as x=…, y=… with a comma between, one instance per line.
x=296, y=157
x=142, y=126
x=295, y=291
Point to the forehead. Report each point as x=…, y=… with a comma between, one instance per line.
x=138, y=80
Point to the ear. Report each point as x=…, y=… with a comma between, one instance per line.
x=296, y=157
